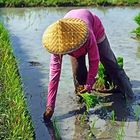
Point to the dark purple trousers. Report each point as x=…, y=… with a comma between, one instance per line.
x=116, y=74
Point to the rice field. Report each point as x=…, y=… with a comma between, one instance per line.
x=15, y=121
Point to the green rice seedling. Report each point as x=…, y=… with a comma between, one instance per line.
x=137, y=112
x=103, y=80
x=90, y=100
x=112, y=117
x=56, y=129
x=137, y=19
x=137, y=30
x=121, y=132
x=83, y=118
x=92, y=131
x=132, y=2
x=125, y=2
x=100, y=82
x=93, y=123
x=103, y=2
x=120, y=61
x=90, y=136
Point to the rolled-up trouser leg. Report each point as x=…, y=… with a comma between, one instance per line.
x=79, y=70
x=115, y=72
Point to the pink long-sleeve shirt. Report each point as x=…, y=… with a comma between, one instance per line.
x=96, y=32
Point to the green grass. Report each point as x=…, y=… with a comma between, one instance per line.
x=137, y=30
x=15, y=121
x=30, y=3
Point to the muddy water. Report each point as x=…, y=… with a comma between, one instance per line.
x=26, y=27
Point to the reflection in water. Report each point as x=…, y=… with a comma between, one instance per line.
x=112, y=131
x=138, y=52
x=31, y=15
x=114, y=103
x=53, y=130
x=110, y=121
x=121, y=107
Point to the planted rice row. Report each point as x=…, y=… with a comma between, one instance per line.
x=15, y=122
x=30, y=3
x=137, y=30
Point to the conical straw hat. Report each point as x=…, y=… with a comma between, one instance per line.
x=65, y=35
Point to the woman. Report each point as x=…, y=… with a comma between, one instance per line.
x=78, y=34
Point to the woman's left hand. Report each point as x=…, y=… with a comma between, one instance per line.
x=83, y=90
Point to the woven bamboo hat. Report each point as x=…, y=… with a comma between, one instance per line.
x=65, y=35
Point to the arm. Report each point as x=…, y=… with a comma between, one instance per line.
x=55, y=70
x=93, y=56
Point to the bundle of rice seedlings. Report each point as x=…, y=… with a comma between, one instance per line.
x=90, y=100
x=100, y=80
x=103, y=80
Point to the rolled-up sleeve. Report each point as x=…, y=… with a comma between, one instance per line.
x=93, y=56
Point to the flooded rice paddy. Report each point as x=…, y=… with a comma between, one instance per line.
x=26, y=26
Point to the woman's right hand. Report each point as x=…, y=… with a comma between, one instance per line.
x=48, y=113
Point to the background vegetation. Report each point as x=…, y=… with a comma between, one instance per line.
x=15, y=122
x=30, y=3
x=137, y=30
